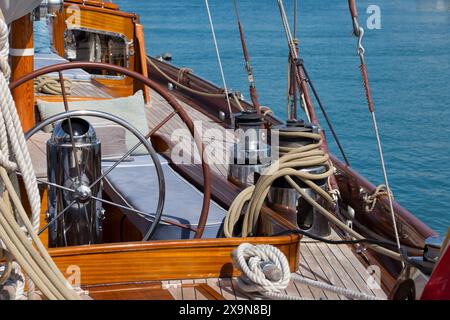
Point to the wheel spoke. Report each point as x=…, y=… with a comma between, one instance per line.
x=144, y=215
x=57, y=216
x=66, y=108
x=54, y=185
x=129, y=152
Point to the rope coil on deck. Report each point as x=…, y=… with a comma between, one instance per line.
x=251, y=260
x=49, y=85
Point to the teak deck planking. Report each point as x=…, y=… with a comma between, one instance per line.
x=317, y=262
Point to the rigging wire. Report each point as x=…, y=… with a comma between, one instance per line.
x=358, y=31
x=219, y=60
x=292, y=49
x=251, y=78
x=325, y=113
x=295, y=18
x=300, y=63
x=293, y=89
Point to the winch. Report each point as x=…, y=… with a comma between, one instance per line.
x=285, y=199
x=251, y=153
x=74, y=165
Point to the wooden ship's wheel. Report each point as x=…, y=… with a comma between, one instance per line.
x=70, y=116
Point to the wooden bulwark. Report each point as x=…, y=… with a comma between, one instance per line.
x=162, y=260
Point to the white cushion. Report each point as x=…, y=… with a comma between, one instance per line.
x=130, y=109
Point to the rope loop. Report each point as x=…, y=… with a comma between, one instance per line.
x=7, y=267
x=250, y=259
x=182, y=75
x=371, y=200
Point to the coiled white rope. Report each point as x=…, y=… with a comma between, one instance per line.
x=252, y=260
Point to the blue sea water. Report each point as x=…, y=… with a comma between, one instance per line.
x=408, y=61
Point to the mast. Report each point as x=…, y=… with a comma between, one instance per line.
x=22, y=63
x=251, y=80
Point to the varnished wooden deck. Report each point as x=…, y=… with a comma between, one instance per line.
x=217, y=139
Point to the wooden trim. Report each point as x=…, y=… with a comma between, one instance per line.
x=98, y=16
x=22, y=38
x=129, y=291
x=96, y=3
x=146, y=290
x=105, y=9
x=139, y=32
x=162, y=260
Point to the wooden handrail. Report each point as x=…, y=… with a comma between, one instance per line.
x=139, y=32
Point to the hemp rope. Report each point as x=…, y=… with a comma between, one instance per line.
x=49, y=85
x=287, y=166
x=371, y=200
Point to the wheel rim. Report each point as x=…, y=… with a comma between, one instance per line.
x=160, y=90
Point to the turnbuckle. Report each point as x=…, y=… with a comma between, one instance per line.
x=358, y=32
x=360, y=49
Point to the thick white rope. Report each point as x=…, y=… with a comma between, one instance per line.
x=251, y=259
x=11, y=133
x=14, y=222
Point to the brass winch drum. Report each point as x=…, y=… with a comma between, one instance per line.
x=251, y=153
x=294, y=208
x=81, y=221
x=285, y=199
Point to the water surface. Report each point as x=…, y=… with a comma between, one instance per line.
x=408, y=61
